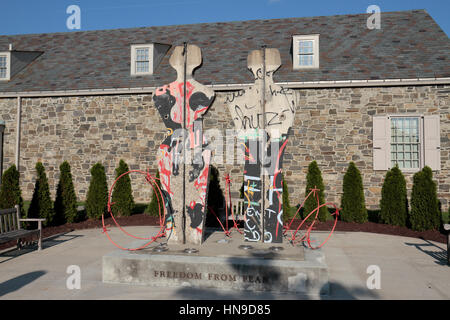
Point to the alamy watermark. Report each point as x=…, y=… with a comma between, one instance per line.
x=234, y=146
x=74, y=280
x=374, y=280
x=374, y=21
x=73, y=22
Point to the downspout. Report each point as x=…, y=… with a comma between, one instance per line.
x=18, y=129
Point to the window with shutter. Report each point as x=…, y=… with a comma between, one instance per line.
x=411, y=142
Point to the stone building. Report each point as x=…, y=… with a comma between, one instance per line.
x=372, y=96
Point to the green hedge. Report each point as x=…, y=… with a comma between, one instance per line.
x=97, y=196
x=66, y=199
x=122, y=196
x=314, y=180
x=353, y=202
x=157, y=203
x=394, y=201
x=425, y=214
x=288, y=213
x=10, y=193
x=41, y=205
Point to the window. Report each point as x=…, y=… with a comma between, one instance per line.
x=142, y=59
x=4, y=66
x=405, y=142
x=411, y=142
x=305, y=52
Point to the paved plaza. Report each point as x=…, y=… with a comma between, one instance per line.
x=409, y=269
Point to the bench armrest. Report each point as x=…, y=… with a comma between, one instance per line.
x=39, y=221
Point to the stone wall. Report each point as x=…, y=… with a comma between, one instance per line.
x=332, y=126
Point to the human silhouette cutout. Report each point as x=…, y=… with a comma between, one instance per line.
x=263, y=114
x=184, y=98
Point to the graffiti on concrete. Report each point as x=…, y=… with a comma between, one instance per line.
x=263, y=114
x=184, y=179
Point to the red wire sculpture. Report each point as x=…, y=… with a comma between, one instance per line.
x=162, y=232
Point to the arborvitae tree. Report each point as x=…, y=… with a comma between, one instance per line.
x=448, y=215
x=157, y=203
x=314, y=180
x=97, y=196
x=66, y=199
x=286, y=205
x=394, y=201
x=10, y=193
x=353, y=202
x=122, y=195
x=41, y=204
x=424, y=213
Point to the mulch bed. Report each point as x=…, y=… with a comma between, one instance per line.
x=145, y=220
x=373, y=227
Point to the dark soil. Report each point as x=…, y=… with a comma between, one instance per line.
x=373, y=227
x=146, y=220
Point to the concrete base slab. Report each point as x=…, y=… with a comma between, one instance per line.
x=224, y=263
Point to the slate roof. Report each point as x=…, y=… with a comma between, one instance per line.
x=409, y=45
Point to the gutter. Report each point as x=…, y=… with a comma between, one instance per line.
x=232, y=87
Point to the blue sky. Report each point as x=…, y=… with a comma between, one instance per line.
x=19, y=17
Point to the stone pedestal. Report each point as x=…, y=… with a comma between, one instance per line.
x=222, y=263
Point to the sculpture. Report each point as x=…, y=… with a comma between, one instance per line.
x=263, y=115
x=184, y=181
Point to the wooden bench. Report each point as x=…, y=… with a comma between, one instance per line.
x=11, y=229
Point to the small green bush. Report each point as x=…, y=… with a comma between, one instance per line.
x=394, y=201
x=97, y=196
x=157, y=203
x=122, y=196
x=314, y=180
x=66, y=199
x=41, y=203
x=353, y=202
x=10, y=193
x=287, y=212
x=424, y=213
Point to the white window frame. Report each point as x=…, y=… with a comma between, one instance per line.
x=8, y=65
x=133, y=59
x=420, y=117
x=295, y=48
